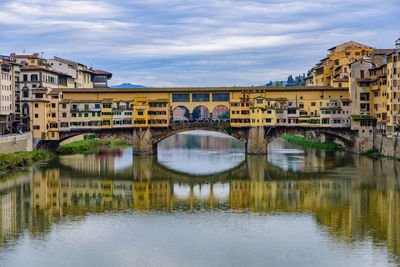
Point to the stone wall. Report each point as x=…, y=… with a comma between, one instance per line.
x=388, y=146
x=16, y=142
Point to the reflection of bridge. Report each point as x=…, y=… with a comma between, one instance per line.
x=350, y=209
x=145, y=140
x=147, y=168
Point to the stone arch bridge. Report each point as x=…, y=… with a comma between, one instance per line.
x=144, y=140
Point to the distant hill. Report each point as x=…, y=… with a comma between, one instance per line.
x=128, y=85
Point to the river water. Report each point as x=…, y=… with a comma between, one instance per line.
x=202, y=202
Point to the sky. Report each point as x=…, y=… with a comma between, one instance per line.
x=164, y=43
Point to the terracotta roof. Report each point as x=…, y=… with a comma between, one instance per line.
x=34, y=55
x=383, y=51
x=101, y=72
x=40, y=68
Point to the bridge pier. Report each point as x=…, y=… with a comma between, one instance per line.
x=257, y=142
x=142, y=141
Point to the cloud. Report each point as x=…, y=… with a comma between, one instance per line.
x=192, y=43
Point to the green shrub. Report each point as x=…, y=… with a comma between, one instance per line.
x=300, y=141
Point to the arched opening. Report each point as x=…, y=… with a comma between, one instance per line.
x=180, y=114
x=220, y=113
x=201, y=113
x=200, y=152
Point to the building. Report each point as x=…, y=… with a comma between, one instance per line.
x=333, y=69
x=8, y=101
x=81, y=75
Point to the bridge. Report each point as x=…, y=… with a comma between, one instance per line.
x=144, y=140
x=254, y=115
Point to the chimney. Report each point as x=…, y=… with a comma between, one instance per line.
x=398, y=43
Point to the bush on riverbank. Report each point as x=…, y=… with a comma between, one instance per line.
x=300, y=141
x=91, y=145
x=23, y=159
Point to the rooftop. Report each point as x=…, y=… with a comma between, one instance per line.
x=254, y=89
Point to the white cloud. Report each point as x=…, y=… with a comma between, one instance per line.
x=218, y=42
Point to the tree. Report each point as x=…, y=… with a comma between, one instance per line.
x=278, y=83
x=290, y=81
x=270, y=83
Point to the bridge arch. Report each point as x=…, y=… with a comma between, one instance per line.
x=223, y=128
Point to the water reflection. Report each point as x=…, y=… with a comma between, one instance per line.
x=355, y=202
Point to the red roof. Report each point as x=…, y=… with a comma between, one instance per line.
x=101, y=72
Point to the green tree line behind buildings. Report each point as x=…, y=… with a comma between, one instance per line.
x=299, y=80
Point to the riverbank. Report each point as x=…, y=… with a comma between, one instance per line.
x=305, y=143
x=17, y=160
x=92, y=145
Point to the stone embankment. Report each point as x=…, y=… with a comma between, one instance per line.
x=387, y=146
x=16, y=142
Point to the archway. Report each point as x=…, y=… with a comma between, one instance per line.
x=220, y=113
x=201, y=113
x=181, y=113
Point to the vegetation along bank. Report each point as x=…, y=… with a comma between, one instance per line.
x=305, y=143
x=17, y=160
x=91, y=144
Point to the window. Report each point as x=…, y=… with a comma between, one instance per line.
x=53, y=105
x=180, y=98
x=347, y=54
x=301, y=98
x=73, y=115
x=25, y=77
x=362, y=74
x=200, y=97
x=106, y=105
x=80, y=114
x=64, y=115
x=53, y=115
x=34, y=78
x=86, y=115
x=364, y=96
x=64, y=106
x=36, y=115
x=140, y=113
x=220, y=97
x=259, y=101
x=36, y=105
x=96, y=105
x=36, y=127
x=86, y=106
x=357, y=53
x=26, y=93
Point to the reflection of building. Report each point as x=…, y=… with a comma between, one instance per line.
x=347, y=207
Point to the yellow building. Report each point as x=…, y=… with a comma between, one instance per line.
x=333, y=70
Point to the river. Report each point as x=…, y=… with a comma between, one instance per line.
x=202, y=202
